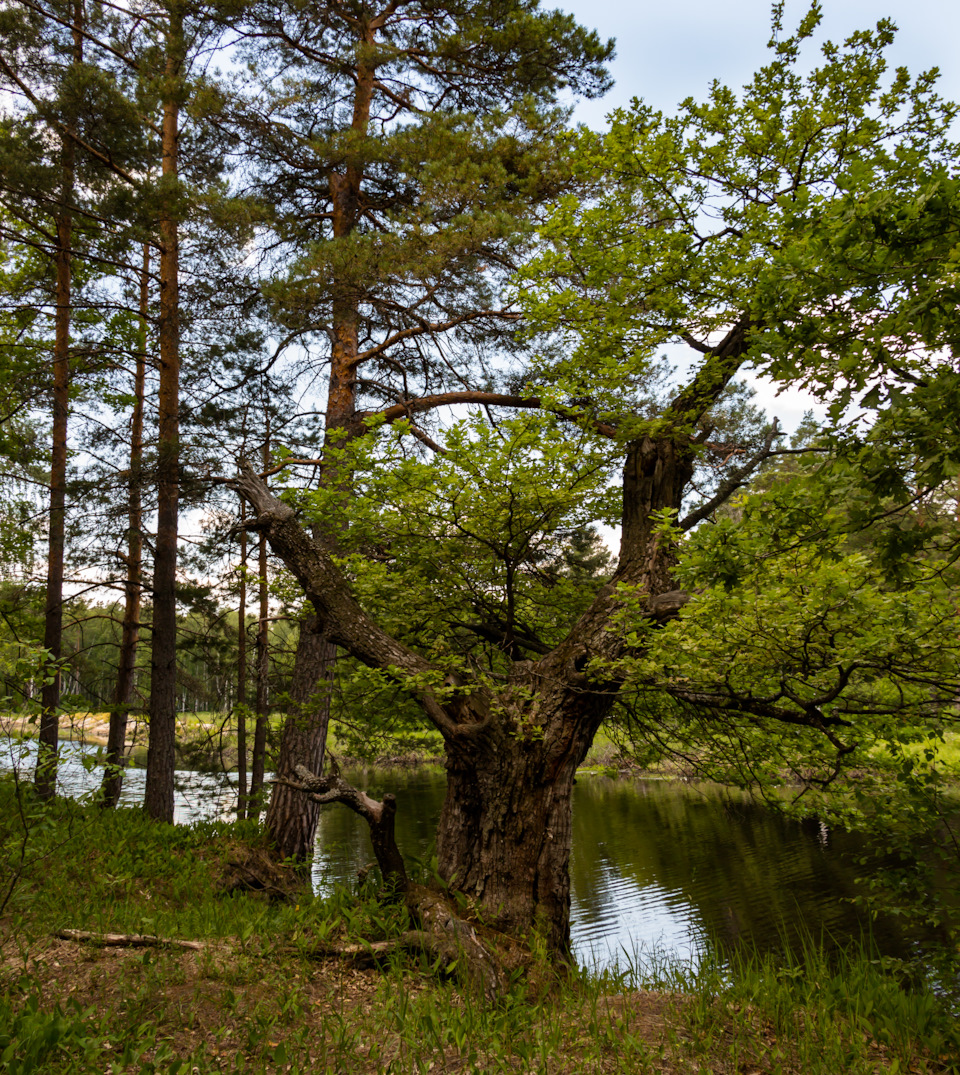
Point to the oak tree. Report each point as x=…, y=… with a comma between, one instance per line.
x=717, y=229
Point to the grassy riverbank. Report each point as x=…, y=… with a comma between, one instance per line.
x=255, y=995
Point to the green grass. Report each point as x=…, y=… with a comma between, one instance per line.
x=818, y=1010
x=258, y=998
x=946, y=752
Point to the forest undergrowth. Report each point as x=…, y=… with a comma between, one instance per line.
x=251, y=986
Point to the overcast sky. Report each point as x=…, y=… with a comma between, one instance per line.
x=673, y=49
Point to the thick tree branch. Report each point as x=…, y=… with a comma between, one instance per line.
x=733, y=482
x=712, y=378
x=379, y=816
x=342, y=619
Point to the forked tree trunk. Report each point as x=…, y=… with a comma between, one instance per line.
x=504, y=834
x=291, y=818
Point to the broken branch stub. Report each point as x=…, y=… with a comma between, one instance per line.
x=379, y=816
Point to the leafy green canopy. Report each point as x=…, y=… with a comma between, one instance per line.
x=798, y=613
x=473, y=544
x=817, y=210
x=479, y=558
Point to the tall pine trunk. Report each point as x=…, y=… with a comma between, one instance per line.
x=49, y=733
x=158, y=800
x=242, y=675
x=130, y=632
x=292, y=831
x=291, y=818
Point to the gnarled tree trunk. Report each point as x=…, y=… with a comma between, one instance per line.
x=504, y=833
x=505, y=829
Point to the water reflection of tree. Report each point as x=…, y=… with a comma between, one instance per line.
x=747, y=872
x=735, y=866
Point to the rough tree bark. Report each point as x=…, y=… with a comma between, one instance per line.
x=130, y=631
x=158, y=800
x=291, y=819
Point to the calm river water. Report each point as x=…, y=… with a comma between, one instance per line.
x=658, y=868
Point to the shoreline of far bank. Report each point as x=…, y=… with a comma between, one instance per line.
x=207, y=746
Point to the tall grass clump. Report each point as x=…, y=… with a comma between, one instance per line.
x=811, y=1008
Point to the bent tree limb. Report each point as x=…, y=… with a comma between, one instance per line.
x=442, y=934
x=379, y=816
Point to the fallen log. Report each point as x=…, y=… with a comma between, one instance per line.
x=127, y=940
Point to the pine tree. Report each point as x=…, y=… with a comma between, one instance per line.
x=63, y=102
x=403, y=152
